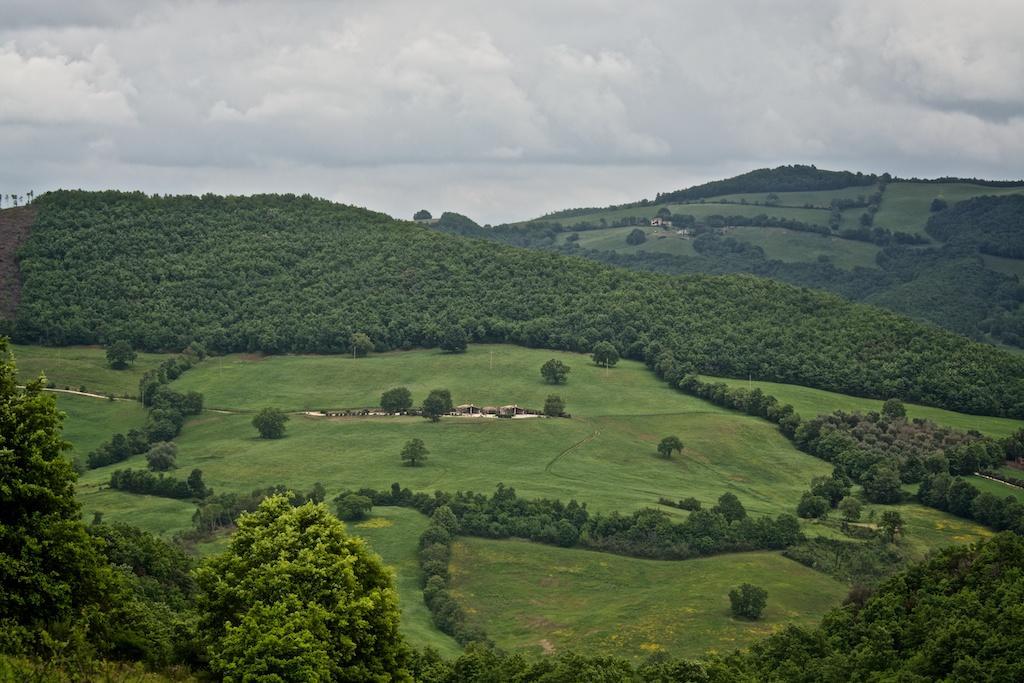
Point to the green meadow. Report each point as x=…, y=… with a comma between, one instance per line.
x=541, y=599
x=73, y=367
x=905, y=206
x=793, y=246
x=604, y=456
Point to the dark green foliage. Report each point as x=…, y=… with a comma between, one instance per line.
x=636, y=236
x=352, y=507
x=454, y=339
x=269, y=422
x=994, y=224
x=437, y=403
x=669, y=444
x=645, y=533
x=422, y=215
x=938, y=204
x=343, y=270
x=50, y=571
x=361, y=344
x=858, y=563
x=959, y=497
x=397, y=400
x=162, y=456
x=455, y=222
x=793, y=178
x=120, y=355
x=147, y=483
x=882, y=484
x=812, y=506
x=295, y=598
x=414, y=453
x=893, y=409
x=748, y=601
x=605, y=354
x=221, y=511
x=554, y=406
x=554, y=371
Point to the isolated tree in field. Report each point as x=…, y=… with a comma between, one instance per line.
x=894, y=409
x=361, y=345
x=891, y=524
x=554, y=406
x=414, y=453
x=605, y=354
x=636, y=236
x=422, y=215
x=397, y=400
x=270, y=423
x=454, y=339
x=120, y=355
x=554, y=371
x=748, y=601
x=850, y=508
x=162, y=456
x=268, y=612
x=352, y=507
x=437, y=403
x=669, y=444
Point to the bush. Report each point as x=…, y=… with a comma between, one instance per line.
x=748, y=601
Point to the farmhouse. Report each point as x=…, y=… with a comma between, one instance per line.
x=660, y=222
x=468, y=409
x=511, y=410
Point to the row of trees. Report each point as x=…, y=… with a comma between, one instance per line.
x=150, y=484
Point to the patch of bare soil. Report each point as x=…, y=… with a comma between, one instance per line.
x=15, y=224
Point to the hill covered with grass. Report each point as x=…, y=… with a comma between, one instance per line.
x=294, y=274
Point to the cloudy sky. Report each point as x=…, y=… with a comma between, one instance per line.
x=504, y=110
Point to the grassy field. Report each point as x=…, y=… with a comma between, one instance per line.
x=614, y=239
x=793, y=246
x=541, y=599
x=77, y=366
x=394, y=534
x=708, y=208
x=810, y=402
x=90, y=422
x=821, y=199
x=905, y=206
x=997, y=488
x=1007, y=266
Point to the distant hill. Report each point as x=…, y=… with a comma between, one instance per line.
x=293, y=274
x=946, y=250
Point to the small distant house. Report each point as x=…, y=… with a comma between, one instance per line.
x=511, y=410
x=684, y=232
x=659, y=222
x=467, y=409
x=489, y=410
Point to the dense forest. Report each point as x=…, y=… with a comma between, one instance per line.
x=293, y=274
x=994, y=224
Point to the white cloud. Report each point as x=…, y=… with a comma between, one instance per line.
x=503, y=111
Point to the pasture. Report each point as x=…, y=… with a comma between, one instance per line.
x=541, y=599
x=905, y=206
x=76, y=366
x=794, y=246
x=90, y=422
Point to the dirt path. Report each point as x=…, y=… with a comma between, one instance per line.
x=15, y=224
x=1004, y=483
x=593, y=435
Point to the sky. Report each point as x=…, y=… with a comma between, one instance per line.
x=500, y=111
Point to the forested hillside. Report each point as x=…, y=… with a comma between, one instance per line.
x=948, y=251
x=289, y=274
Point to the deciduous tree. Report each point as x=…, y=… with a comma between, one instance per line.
x=414, y=453
x=270, y=423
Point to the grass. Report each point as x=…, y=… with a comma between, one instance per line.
x=809, y=402
x=614, y=239
x=161, y=516
x=794, y=246
x=821, y=199
x=998, y=488
x=541, y=599
x=905, y=206
x=90, y=422
x=394, y=535
x=78, y=366
x=709, y=208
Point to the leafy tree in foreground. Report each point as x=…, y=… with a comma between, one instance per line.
x=295, y=598
x=120, y=355
x=270, y=423
x=554, y=406
x=437, y=403
x=605, y=354
x=554, y=371
x=49, y=568
x=397, y=400
x=361, y=344
x=748, y=601
x=352, y=507
x=669, y=444
x=414, y=452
